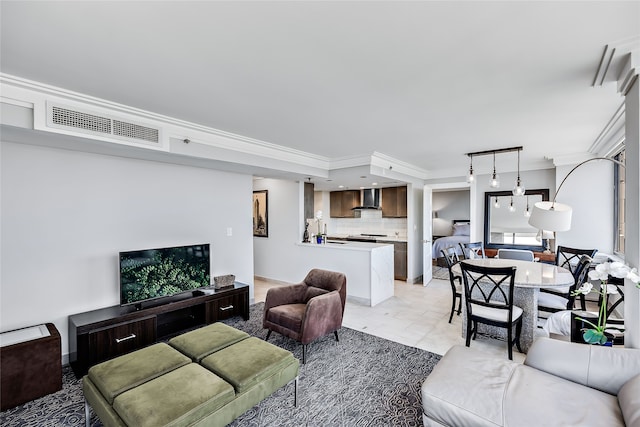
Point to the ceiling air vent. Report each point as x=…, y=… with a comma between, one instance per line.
x=131, y=130
x=76, y=119
x=91, y=123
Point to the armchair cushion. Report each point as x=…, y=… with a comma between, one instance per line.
x=313, y=292
x=287, y=316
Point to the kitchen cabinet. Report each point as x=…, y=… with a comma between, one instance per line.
x=394, y=202
x=341, y=203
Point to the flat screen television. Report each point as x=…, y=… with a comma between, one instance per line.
x=157, y=273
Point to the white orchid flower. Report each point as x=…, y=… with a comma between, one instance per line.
x=633, y=275
x=598, y=274
x=585, y=288
x=619, y=270
x=609, y=289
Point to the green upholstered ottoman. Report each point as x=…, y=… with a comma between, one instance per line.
x=160, y=386
x=201, y=342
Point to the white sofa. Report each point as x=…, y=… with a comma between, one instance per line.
x=560, y=384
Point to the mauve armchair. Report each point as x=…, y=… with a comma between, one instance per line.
x=308, y=310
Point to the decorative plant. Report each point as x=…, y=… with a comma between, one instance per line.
x=602, y=272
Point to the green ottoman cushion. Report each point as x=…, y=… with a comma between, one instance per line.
x=248, y=362
x=201, y=342
x=125, y=372
x=178, y=398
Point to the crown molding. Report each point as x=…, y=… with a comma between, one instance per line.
x=571, y=159
x=618, y=63
x=611, y=137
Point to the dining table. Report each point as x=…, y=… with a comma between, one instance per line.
x=530, y=277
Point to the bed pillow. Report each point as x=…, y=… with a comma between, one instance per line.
x=461, y=229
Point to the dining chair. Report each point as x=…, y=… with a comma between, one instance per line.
x=551, y=302
x=472, y=250
x=451, y=258
x=488, y=293
x=569, y=258
x=517, y=254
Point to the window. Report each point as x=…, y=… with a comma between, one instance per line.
x=619, y=204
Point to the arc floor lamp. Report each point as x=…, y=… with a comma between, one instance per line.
x=553, y=216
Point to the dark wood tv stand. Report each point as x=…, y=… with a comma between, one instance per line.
x=108, y=332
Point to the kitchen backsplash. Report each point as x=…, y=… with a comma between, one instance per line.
x=370, y=222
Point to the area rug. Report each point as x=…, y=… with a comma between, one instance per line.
x=362, y=380
x=440, y=273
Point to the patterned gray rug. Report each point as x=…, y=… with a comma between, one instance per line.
x=362, y=380
x=440, y=273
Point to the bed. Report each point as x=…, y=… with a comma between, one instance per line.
x=460, y=234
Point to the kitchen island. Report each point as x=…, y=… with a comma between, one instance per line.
x=368, y=267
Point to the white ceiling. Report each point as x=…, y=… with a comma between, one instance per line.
x=420, y=82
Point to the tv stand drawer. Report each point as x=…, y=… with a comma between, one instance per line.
x=122, y=338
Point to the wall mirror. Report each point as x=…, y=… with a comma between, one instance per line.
x=506, y=220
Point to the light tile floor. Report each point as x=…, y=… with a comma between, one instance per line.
x=416, y=316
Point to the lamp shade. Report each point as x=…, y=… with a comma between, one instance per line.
x=551, y=216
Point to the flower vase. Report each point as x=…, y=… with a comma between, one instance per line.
x=577, y=326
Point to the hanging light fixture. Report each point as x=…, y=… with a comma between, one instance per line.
x=511, y=207
x=518, y=190
x=527, y=212
x=496, y=203
x=495, y=179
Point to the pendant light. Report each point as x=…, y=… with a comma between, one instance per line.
x=518, y=190
x=495, y=179
x=470, y=177
x=511, y=207
x=496, y=204
x=527, y=212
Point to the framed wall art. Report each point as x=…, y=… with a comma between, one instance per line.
x=261, y=213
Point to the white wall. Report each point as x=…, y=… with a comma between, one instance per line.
x=415, y=196
x=273, y=255
x=589, y=191
x=450, y=205
x=67, y=214
x=632, y=221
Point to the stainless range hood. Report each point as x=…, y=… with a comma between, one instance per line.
x=369, y=199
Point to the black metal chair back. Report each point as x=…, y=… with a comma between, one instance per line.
x=569, y=258
x=493, y=289
x=472, y=250
x=451, y=258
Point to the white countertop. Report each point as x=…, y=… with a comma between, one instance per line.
x=351, y=246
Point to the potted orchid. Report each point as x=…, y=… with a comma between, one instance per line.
x=602, y=273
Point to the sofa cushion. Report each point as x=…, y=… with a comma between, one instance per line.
x=535, y=398
x=466, y=388
x=629, y=401
x=125, y=372
x=248, y=362
x=201, y=342
x=177, y=398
